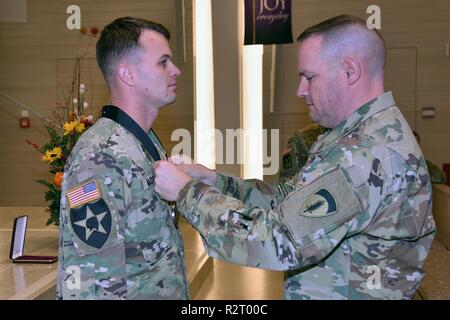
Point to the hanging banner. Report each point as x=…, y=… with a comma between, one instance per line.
x=268, y=21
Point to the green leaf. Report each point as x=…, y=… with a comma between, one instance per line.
x=43, y=182
x=54, y=136
x=48, y=196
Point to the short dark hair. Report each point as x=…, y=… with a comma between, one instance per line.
x=347, y=33
x=120, y=38
x=330, y=25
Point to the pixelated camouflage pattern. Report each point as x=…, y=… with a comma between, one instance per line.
x=143, y=257
x=301, y=142
x=297, y=150
x=250, y=222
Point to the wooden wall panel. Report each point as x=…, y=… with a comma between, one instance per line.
x=31, y=52
x=422, y=26
x=96, y=94
x=36, y=59
x=401, y=78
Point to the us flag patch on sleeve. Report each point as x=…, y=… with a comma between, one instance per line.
x=88, y=192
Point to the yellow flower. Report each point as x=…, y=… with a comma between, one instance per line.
x=80, y=127
x=69, y=127
x=52, y=155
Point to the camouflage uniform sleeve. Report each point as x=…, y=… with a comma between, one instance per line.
x=254, y=192
x=305, y=228
x=92, y=251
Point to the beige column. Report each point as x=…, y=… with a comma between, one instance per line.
x=226, y=79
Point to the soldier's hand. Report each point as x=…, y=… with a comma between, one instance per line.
x=196, y=171
x=169, y=180
x=179, y=159
x=199, y=172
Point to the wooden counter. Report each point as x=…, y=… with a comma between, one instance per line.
x=441, y=213
x=38, y=281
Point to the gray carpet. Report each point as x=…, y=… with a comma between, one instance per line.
x=436, y=284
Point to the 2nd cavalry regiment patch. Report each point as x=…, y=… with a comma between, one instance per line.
x=326, y=202
x=320, y=204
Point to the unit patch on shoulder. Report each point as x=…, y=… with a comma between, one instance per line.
x=92, y=223
x=321, y=203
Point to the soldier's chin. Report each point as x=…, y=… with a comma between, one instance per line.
x=171, y=99
x=313, y=115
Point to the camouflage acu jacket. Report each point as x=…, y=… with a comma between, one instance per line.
x=117, y=237
x=297, y=151
x=354, y=223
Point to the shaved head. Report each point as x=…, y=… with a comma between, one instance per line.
x=348, y=36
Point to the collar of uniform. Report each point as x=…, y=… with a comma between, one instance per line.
x=149, y=141
x=364, y=112
x=162, y=153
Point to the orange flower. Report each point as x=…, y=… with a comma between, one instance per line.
x=58, y=179
x=72, y=116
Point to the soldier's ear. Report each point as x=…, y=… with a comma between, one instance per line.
x=126, y=74
x=352, y=69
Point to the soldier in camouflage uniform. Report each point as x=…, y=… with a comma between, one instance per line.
x=356, y=220
x=297, y=151
x=436, y=175
x=118, y=239
x=301, y=142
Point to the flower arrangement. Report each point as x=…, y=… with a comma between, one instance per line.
x=68, y=123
